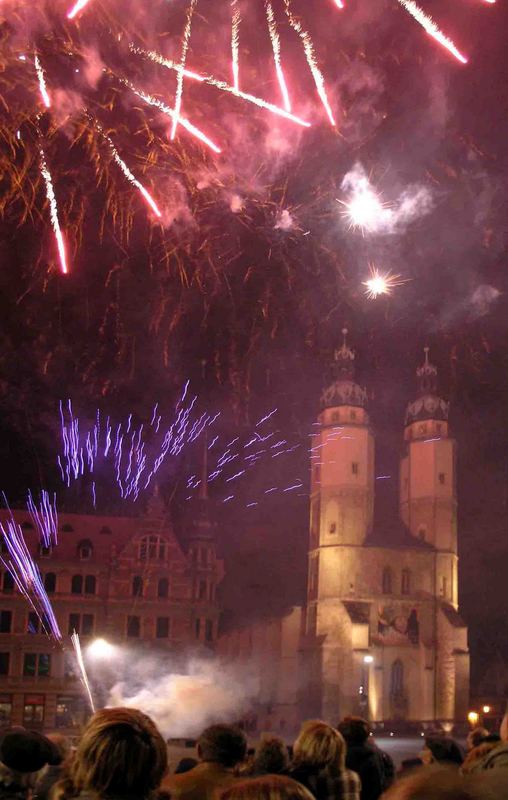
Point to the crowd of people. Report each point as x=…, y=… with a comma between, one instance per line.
x=121, y=755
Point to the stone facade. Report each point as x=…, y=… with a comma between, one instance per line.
x=381, y=633
x=126, y=579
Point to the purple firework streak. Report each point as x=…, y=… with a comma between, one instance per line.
x=44, y=517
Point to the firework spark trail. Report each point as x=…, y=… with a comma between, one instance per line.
x=45, y=517
x=42, y=82
x=311, y=58
x=275, y=39
x=235, y=44
x=222, y=85
x=431, y=28
x=76, y=8
x=126, y=171
x=339, y=3
x=81, y=664
x=153, y=101
x=379, y=283
x=183, y=59
x=26, y=574
x=53, y=208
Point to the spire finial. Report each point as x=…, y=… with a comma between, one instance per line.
x=426, y=350
x=345, y=333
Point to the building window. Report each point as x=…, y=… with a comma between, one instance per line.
x=74, y=620
x=387, y=581
x=202, y=590
x=50, y=582
x=405, y=587
x=197, y=628
x=422, y=429
x=162, y=628
x=67, y=528
x=7, y=582
x=137, y=586
x=397, y=679
x=33, y=709
x=133, y=627
x=163, y=588
x=442, y=478
x=353, y=415
x=85, y=550
x=70, y=711
x=444, y=586
x=421, y=533
x=335, y=416
x=4, y=663
x=333, y=527
x=5, y=621
x=36, y=625
x=5, y=709
x=27, y=526
x=105, y=530
x=81, y=623
x=90, y=584
x=311, y=619
x=152, y=548
x=439, y=427
x=37, y=664
x=44, y=551
x=354, y=467
x=77, y=584
x=209, y=630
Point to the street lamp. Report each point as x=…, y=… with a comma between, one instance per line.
x=368, y=659
x=473, y=718
x=101, y=650
x=486, y=709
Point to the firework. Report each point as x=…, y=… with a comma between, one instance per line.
x=42, y=81
x=82, y=669
x=250, y=98
x=365, y=210
x=311, y=59
x=76, y=8
x=235, y=44
x=380, y=283
x=45, y=517
x=183, y=59
x=432, y=29
x=275, y=39
x=126, y=171
x=53, y=210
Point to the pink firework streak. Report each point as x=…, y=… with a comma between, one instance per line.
x=76, y=8
x=235, y=44
x=42, y=82
x=53, y=210
x=165, y=62
x=275, y=39
x=183, y=59
x=128, y=174
x=311, y=59
x=432, y=29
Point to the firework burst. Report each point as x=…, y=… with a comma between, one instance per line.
x=381, y=283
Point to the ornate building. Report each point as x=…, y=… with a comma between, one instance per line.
x=129, y=580
x=381, y=635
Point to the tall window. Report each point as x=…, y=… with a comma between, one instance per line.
x=387, y=581
x=70, y=711
x=44, y=551
x=162, y=628
x=81, y=623
x=77, y=584
x=4, y=664
x=33, y=709
x=163, y=587
x=5, y=621
x=37, y=664
x=137, y=586
x=444, y=586
x=35, y=625
x=50, y=582
x=397, y=679
x=85, y=550
x=405, y=587
x=5, y=709
x=133, y=626
x=90, y=584
x=202, y=590
x=442, y=478
x=355, y=467
x=8, y=582
x=152, y=548
x=197, y=628
x=209, y=630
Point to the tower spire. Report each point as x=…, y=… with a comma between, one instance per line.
x=428, y=403
x=426, y=376
x=344, y=358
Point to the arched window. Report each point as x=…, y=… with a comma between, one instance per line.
x=387, y=581
x=27, y=526
x=4, y=550
x=405, y=584
x=50, y=582
x=67, y=528
x=77, y=584
x=152, y=548
x=397, y=679
x=44, y=551
x=137, y=586
x=90, y=584
x=85, y=550
x=8, y=582
x=163, y=587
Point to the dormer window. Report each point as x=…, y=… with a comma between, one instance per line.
x=152, y=548
x=85, y=550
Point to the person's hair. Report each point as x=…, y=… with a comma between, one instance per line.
x=222, y=744
x=355, y=730
x=120, y=752
x=272, y=755
x=320, y=746
x=476, y=755
x=185, y=765
x=476, y=737
x=439, y=783
x=444, y=749
x=267, y=787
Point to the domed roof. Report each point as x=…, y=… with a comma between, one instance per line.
x=343, y=391
x=428, y=404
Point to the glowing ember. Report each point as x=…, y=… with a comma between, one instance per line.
x=53, y=208
x=432, y=29
x=380, y=283
x=42, y=82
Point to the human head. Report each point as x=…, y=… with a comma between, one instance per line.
x=442, y=749
x=25, y=751
x=355, y=730
x=120, y=752
x=476, y=737
x=438, y=783
x=268, y=787
x=222, y=744
x=319, y=745
x=271, y=756
x=185, y=765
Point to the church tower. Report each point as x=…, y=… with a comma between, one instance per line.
x=428, y=500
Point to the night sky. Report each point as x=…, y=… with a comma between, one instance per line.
x=227, y=295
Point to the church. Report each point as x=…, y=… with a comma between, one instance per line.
x=380, y=635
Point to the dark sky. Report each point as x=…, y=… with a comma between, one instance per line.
x=247, y=310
